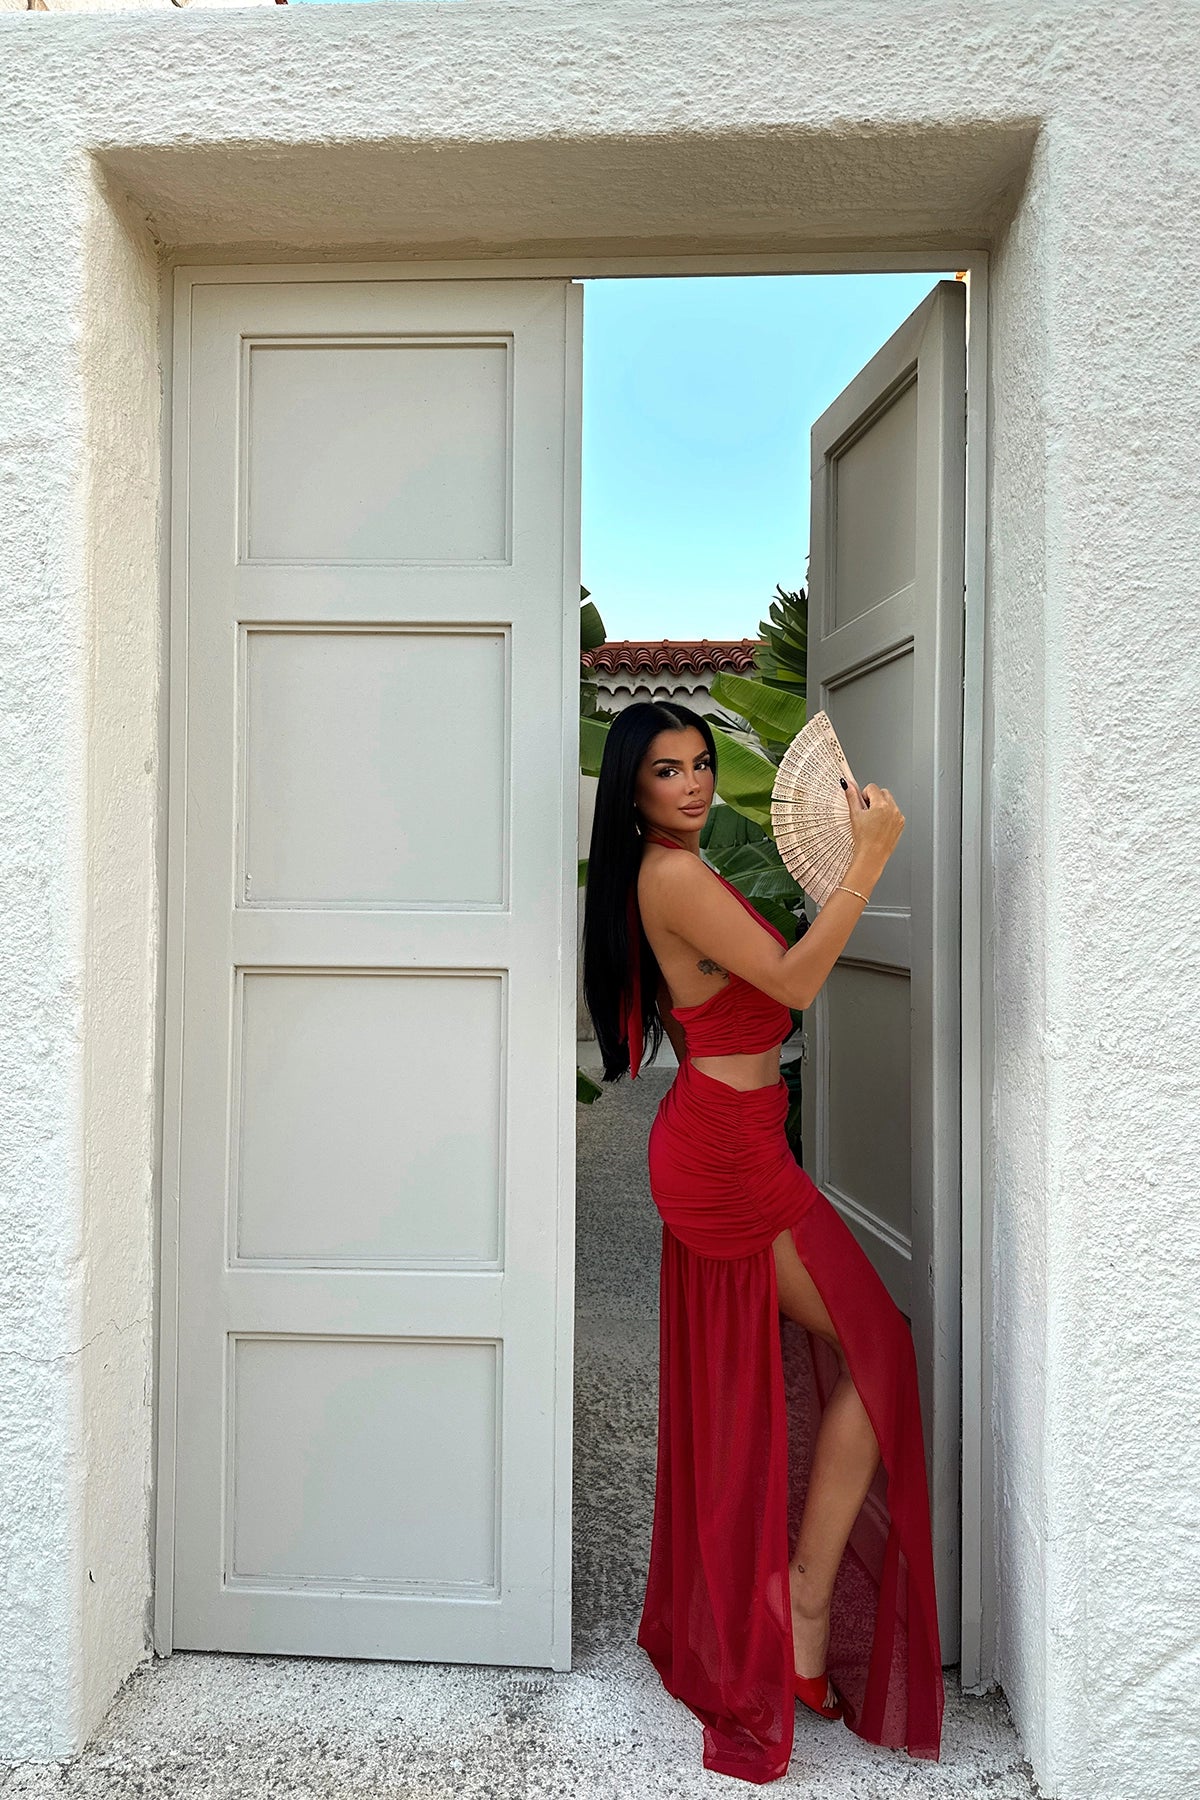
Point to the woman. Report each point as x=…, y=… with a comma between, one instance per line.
x=788, y=1397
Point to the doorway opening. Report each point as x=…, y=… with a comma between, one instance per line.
x=362, y=934
x=775, y=492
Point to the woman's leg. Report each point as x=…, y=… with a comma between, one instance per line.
x=845, y=1458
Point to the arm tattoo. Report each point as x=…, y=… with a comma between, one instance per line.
x=708, y=967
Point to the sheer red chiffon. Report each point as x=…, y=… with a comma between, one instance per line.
x=741, y=1392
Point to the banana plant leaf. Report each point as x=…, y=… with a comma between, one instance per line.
x=775, y=714
x=591, y=626
x=744, y=778
x=586, y=1090
x=592, y=737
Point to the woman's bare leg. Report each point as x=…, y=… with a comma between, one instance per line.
x=845, y=1458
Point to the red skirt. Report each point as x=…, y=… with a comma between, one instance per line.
x=741, y=1391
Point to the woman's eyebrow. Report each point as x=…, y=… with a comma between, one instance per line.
x=675, y=759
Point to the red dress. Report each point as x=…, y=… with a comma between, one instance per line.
x=741, y=1390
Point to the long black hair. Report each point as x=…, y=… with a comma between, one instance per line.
x=614, y=857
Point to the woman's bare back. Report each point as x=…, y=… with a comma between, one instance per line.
x=691, y=979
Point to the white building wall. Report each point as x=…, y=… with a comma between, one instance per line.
x=623, y=687
x=1063, y=134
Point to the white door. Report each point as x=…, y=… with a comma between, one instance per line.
x=368, y=1205
x=881, y=1078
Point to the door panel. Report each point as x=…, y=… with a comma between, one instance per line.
x=372, y=884
x=881, y=1092
x=328, y=712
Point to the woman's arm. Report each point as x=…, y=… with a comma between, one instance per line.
x=672, y=1027
x=690, y=901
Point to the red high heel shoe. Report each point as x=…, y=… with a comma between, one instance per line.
x=812, y=1689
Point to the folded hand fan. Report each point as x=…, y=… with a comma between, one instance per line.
x=810, y=814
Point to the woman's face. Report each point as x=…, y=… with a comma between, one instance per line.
x=674, y=787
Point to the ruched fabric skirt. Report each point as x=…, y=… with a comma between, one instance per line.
x=741, y=1392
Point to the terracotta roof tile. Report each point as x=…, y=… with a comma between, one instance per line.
x=673, y=656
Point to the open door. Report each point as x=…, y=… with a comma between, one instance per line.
x=881, y=1043
x=368, y=1307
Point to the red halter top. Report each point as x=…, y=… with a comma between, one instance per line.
x=737, y=1020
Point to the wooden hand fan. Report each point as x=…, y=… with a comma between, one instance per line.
x=810, y=814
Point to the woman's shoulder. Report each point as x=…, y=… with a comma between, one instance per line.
x=675, y=867
x=666, y=892
x=668, y=878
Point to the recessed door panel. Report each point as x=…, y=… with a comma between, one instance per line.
x=368, y=1462
x=348, y=1144
x=356, y=789
x=393, y=452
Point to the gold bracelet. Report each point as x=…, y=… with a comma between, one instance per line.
x=842, y=888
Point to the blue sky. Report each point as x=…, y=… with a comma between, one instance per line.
x=699, y=394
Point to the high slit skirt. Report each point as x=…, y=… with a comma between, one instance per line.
x=741, y=1391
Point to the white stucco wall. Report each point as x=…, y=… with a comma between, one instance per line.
x=1063, y=135
x=113, y=6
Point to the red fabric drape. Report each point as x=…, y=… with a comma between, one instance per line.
x=741, y=1390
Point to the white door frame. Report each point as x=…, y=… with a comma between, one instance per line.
x=187, y=269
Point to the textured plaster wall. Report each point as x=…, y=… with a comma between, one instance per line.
x=1018, y=934
x=1094, y=727
x=112, y=6
x=119, y=355
x=80, y=490
x=1060, y=134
